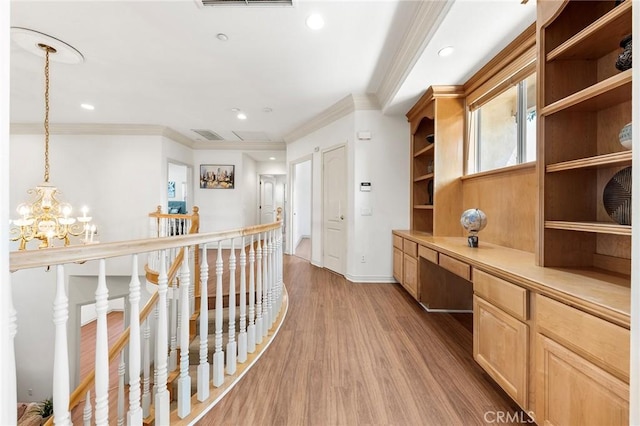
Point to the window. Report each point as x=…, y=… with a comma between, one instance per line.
x=502, y=129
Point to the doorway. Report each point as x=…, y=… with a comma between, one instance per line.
x=272, y=201
x=179, y=191
x=301, y=198
x=334, y=208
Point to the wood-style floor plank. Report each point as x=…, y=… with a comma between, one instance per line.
x=361, y=354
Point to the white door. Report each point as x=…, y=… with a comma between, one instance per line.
x=267, y=199
x=334, y=189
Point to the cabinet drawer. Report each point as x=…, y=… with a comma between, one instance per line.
x=453, y=265
x=427, y=253
x=599, y=341
x=410, y=248
x=508, y=297
x=397, y=241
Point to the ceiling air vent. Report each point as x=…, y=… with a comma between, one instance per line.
x=208, y=135
x=246, y=2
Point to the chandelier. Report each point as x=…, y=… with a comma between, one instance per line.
x=46, y=218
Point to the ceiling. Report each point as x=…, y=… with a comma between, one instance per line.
x=161, y=63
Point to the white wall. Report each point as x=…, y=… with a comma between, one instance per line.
x=383, y=161
x=250, y=192
x=271, y=168
x=301, y=209
x=336, y=133
x=222, y=209
x=7, y=360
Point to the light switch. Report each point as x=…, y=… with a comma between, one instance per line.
x=365, y=211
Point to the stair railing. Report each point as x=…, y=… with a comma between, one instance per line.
x=265, y=297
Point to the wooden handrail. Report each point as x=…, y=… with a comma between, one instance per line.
x=25, y=259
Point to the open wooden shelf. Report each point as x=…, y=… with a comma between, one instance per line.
x=424, y=150
x=598, y=38
x=423, y=206
x=423, y=177
x=598, y=227
x=621, y=159
x=606, y=93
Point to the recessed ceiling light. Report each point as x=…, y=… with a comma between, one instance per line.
x=445, y=51
x=87, y=107
x=242, y=116
x=235, y=109
x=315, y=21
x=272, y=158
x=267, y=109
x=222, y=37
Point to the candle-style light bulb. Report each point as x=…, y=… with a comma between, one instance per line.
x=85, y=210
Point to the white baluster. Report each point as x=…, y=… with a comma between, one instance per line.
x=203, y=367
x=134, y=415
x=272, y=278
x=61, y=355
x=266, y=322
x=251, y=330
x=231, y=342
x=102, y=348
x=259, y=291
x=161, y=402
x=173, y=326
x=218, y=355
x=86, y=412
x=121, y=369
x=192, y=288
x=184, y=382
x=242, y=335
x=279, y=268
x=146, y=370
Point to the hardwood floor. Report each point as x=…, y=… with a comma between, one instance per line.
x=352, y=354
x=303, y=249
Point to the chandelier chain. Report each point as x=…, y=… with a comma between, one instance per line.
x=46, y=114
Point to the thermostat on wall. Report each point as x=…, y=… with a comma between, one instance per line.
x=365, y=186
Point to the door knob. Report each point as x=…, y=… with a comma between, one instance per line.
x=341, y=217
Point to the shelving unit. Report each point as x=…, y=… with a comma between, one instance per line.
x=436, y=160
x=583, y=102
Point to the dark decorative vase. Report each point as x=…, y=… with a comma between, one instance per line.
x=430, y=192
x=616, y=197
x=624, y=59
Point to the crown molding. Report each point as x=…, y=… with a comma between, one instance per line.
x=141, y=130
x=342, y=108
x=425, y=22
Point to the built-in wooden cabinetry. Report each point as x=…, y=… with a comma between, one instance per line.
x=582, y=367
x=405, y=264
x=501, y=333
x=437, y=128
x=583, y=103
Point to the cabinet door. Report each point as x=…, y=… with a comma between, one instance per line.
x=397, y=264
x=501, y=347
x=410, y=271
x=572, y=391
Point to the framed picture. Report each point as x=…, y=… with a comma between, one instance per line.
x=172, y=189
x=217, y=176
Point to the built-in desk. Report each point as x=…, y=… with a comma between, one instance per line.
x=545, y=335
x=602, y=294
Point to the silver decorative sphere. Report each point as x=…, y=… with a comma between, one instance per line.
x=473, y=220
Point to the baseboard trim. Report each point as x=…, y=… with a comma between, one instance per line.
x=370, y=279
